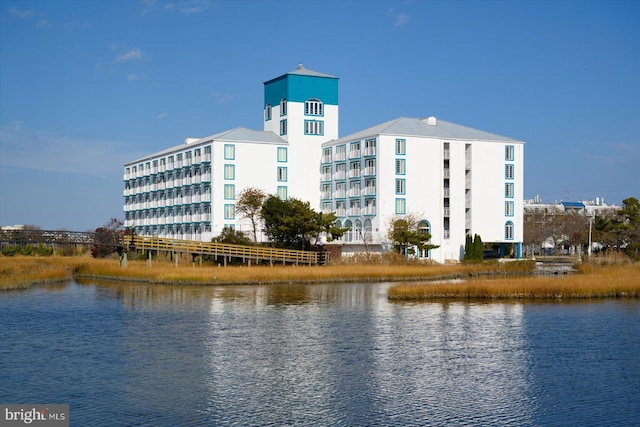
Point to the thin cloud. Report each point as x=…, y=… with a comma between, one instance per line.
x=134, y=54
x=26, y=13
x=162, y=116
x=220, y=98
x=36, y=150
x=401, y=20
x=189, y=7
x=133, y=77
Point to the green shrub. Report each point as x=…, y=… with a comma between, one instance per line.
x=10, y=250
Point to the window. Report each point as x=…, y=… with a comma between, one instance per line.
x=326, y=155
x=508, y=171
x=508, y=208
x=313, y=127
x=282, y=154
x=401, y=146
x=229, y=191
x=341, y=190
x=313, y=107
x=508, y=230
x=282, y=192
x=354, y=149
x=424, y=227
x=509, y=152
x=229, y=172
x=282, y=173
x=267, y=112
x=283, y=107
x=508, y=189
x=400, y=167
x=229, y=211
x=401, y=207
x=341, y=152
x=283, y=127
x=229, y=151
x=400, y=186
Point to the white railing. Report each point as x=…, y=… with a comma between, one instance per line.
x=370, y=151
x=370, y=170
x=354, y=154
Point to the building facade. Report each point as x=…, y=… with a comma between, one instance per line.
x=455, y=180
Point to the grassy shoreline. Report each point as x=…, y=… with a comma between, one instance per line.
x=488, y=281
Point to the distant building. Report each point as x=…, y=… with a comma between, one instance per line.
x=456, y=179
x=587, y=207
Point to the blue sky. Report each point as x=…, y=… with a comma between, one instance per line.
x=88, y=85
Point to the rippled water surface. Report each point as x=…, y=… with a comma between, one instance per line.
x=337, y=355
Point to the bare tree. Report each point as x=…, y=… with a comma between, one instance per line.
x=249, y=205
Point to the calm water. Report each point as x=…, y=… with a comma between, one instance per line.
x=337, y=355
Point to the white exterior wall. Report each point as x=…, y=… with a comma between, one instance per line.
x=256, y=165
x=305, y=151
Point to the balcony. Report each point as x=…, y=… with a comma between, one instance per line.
x=369, y=210
x=326, y=159
x=369, y=151
x=446, y=154
x=341, y=156
x=354, y=154
x=340, y=194
x=369, y=170
x=446, y=212
x=341, y=212
x=340, y=175
x=446, y=173
x=353, y=212
x=326, y=194
x=354, y=173
x=326, y=177
x=354, y=192
x=369, y=191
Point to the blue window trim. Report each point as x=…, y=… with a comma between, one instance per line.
x=283, y=100
x=404, y=211
x=507, y=224
x=286, y=154
x=404, y=151
x=286, y=174
x=513, y=171
x=404, y=186
x=507, y=149
x=513, y=190
x=225, y=191
x=233, y=170
x=267, y=117
x=314, y=100
x=314, y=134
x=404, y=161
x=506, y=211
x=233, y=152
x=285, y=127
x=284, y=189
x=227, y=206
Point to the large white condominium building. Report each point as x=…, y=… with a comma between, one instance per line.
x=454, y=179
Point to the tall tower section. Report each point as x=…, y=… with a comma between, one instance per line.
x=302, y=108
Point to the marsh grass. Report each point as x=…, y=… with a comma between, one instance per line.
x=592, y=281
x=21, y=271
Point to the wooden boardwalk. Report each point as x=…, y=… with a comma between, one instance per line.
x=125, y=243
x=245, y=253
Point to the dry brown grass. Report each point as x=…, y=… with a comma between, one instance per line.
x=21, y=271
x=617, y=281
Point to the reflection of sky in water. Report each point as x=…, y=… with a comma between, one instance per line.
x=340, y=354
x=344, y=355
